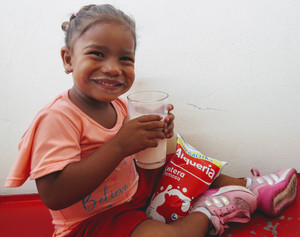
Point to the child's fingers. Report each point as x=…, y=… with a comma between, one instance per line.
x=153, y=125
x=153, y=134
x=170, y=127
x=170, y=134
x=169, y=131
x=170, y=107
x=149, y=117
x=169, y=118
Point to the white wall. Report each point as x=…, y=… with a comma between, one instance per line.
x=232, y=69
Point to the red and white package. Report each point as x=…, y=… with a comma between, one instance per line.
x=188, y=174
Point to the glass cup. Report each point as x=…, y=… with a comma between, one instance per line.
x=149, y=102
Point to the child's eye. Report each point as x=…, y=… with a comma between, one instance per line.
x=127, y=59
x=99, y=54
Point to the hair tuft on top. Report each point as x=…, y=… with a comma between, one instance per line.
x=90, y=15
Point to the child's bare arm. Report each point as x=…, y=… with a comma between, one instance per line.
x=78, y=179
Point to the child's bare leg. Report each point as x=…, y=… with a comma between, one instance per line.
x=224, y=180
x=196, y=224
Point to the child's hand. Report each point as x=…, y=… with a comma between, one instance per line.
x=169, y=120
x=143, y=132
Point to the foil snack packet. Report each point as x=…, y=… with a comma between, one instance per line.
x=188, y=174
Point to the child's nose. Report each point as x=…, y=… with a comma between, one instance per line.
x=111, y=67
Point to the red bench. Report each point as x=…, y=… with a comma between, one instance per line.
x=27, y=216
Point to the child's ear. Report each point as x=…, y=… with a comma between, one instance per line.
x=66, y=57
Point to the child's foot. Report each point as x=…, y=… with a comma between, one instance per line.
x=275, y=192
x=224, y=205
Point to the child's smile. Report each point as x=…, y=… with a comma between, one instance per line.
x=108, y=83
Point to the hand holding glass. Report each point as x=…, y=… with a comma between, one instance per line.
x=143, y=103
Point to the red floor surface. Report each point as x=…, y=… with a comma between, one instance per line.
x=27, y=216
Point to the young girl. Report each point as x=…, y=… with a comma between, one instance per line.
x=78, y=148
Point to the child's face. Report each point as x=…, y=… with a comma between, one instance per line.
x=102, y=62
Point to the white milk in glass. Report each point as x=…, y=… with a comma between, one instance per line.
x=149, y=102
x=152, y=158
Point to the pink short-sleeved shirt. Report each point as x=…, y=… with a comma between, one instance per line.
x=60, y=134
